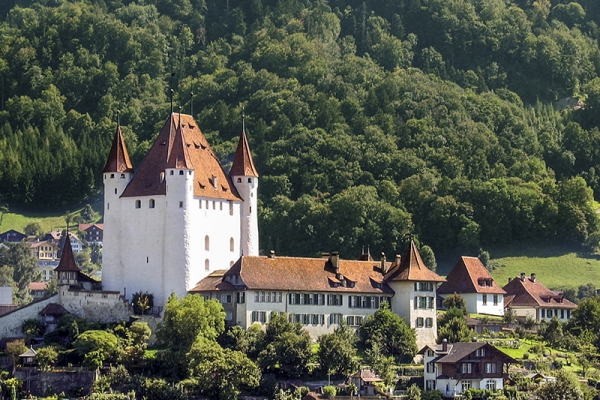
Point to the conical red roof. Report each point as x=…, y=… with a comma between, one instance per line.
x=412, y=268
x=179, y=156
x=67, y=260
x=243, y=164
x=118, y=158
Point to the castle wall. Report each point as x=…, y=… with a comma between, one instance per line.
x=94, y=305
x=37, y=382
x=10, y=324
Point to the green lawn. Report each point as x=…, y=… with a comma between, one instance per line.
x=554, y=267
x=51, y=220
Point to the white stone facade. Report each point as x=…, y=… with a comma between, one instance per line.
x=415, y=302
x=483, y=303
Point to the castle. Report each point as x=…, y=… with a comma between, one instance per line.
x=181, y=225
x=180, y=216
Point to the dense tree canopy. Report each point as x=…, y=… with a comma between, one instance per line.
x=369, y=120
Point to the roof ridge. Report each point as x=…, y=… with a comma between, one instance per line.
x=178, y=155
x=67, y=259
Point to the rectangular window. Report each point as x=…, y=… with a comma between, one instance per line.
x=335, y=319
x=240, y=297
x=430, y=384
x=466, y=385
x=279, y=297
x=352, y=302
x=480, y=353
x=490, y=385
x=466, y=368
x=428, y=322
x=543, y=313
x=430, y=367
x=495, y=301
x=228, y=316
x=491, y=368
x=305, y=319
x=484, y=298
x=424, y=302
x=314, y=319
x=419, y=322
x=262, y=297
x=297, y=297
x=562, y=314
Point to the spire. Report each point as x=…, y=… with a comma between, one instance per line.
x=67, y=260
x=178, y=153
x=118, y=158
x=242, y=163
x=412, y=268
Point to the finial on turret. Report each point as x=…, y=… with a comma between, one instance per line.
x=118, y=118
x=192, y=104
x=171, y=91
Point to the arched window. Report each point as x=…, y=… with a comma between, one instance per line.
x=231, y=264
x=206, y=243
x=231, y=244
x=138, y=204
x=115, y=190
x=206, y=264
x=151, y=203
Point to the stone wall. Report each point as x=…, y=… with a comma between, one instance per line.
x=70, y=382
x=95, y=305
x=10, y=324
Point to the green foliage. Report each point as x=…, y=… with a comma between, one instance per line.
x=337, y=351
x=249, y=342
x=96, y=346
x=46, y=358
x=455, y=301
x=384, y=366
x=142, y=301
x=287, y=347
x=413, y=393
x=432, y=395
x=329, y=391
x=186, y=319
x=453, y=327
x=20, y=267
x=14, y=349
x=32, y=327
x=390, y=333
x=566, y=386
x=221, y=373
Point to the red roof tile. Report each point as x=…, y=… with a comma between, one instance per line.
x=213, y=282
x=530, y=292
x=302, y=274
x=412, y=268
x=243, y=164
x=210, y=181
x=67, y=260
x=178, y=152
x=118, y=157
x=469, y=276
x=85, y=227
x=38, y=285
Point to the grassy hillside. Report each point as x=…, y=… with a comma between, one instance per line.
x=51, y=220
x=556, y=267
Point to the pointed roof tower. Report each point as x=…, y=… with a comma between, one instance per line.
x=67, y=260
x=118, y=158
x=243, y=164
x=412, y=268
x=178, y=156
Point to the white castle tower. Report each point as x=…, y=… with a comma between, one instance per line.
x=179, y=217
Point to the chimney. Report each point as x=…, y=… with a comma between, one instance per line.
x=474, y=339
x=272, y=254
x=383, y=264
x=445, y=345
x=522, y=276
x=334, y=259
x=398, y=258
x=533, y=277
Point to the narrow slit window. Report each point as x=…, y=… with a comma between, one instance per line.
x=206, y=265
x=151, y=203
x=206, y=243
x=231, y=244
x=138, y=204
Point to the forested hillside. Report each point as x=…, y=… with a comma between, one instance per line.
x=369, y=120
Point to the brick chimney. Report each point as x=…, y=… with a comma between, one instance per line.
x=522, y=276
x=533, y=277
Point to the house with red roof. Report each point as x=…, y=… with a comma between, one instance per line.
x=453, y=368
x=528, y=297
x=179, y=217
x=472, y=281
x=94, y=233
x=319, y=293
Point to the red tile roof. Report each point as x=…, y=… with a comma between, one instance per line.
x=210, y=179
x=178, y=156
x=85, y=227
x=38, y=285
x=118, y=157
x=302, y=274
x=213, y=282
x=412, y=268
x=243, y=164
x=67, y=260
x=469, y=276
x=530, y=292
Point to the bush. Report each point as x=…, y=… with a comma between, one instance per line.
x=329, y=391
x=432, y=395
